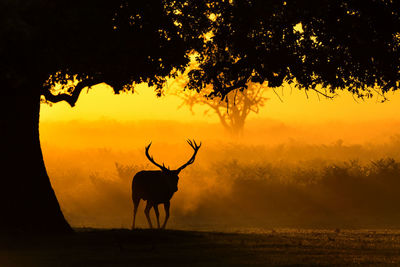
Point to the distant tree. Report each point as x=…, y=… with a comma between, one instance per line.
x=51, y=50
x=336, y=45
x=232, y=111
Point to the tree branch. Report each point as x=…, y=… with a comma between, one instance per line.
x=237, y=85
x=69, y=98
x=277, y=95
x=323, y=94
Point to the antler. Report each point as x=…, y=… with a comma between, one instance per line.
x=191, y=160
x=152, y=160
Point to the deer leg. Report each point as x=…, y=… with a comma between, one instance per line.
x=155, y=206
x=147, y=213
x=166, y=208
x=135, y=208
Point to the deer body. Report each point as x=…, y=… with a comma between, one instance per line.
x=157, y=187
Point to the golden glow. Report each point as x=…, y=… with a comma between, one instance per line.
x=296, y=106
x=101, y=103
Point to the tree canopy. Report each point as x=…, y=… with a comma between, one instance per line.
x=344, y=44
x=90, y=42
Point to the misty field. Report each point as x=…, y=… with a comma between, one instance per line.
x=90, y=247
x=232, y=185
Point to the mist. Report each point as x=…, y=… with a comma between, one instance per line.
x=326, y=175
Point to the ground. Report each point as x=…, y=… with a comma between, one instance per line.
x=119, y=247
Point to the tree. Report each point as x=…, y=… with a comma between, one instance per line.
x=233, y=111
x=54, y=49
x=339, y=45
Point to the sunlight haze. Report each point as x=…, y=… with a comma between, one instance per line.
x=95, y=148
x=101, y=103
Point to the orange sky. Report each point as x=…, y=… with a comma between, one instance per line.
x=101, y=103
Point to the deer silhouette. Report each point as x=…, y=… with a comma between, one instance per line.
x=157, y=187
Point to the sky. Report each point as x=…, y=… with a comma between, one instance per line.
x=292, y=106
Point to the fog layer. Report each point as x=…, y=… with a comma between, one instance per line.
x=330, y=175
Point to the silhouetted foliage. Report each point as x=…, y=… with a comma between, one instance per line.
x=347, y=44
x=78, y=44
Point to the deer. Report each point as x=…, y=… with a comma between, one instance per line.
x=157, y=186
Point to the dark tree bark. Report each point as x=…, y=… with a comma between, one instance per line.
x=27, y=200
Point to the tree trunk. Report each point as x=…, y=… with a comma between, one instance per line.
x=27, y=200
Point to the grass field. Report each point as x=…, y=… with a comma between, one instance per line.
x=118, y=247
